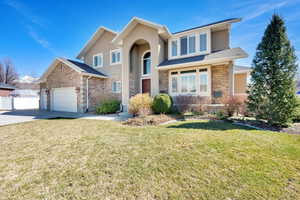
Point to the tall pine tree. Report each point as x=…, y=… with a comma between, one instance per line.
x=272, y=89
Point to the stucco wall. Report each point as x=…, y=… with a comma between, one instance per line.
x=219, y=40
x=152, y=37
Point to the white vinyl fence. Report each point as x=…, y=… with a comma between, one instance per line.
x=19, y=103
x=6, y=103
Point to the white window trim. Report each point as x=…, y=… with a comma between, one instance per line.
x=101, y=56
x=204, y=93
x=197, y=73
x=110, y=56
x=112, y=87
x=142, y=64
x=197, y=45
x=188, y=74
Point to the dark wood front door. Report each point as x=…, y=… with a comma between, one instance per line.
x=146, y=84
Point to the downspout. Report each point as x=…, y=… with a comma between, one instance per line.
x=87, y=93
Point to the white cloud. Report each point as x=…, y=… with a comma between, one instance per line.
x=32, y=20
x=27, y=79
x=25, y=11
x=262, y=9
x=40, y=40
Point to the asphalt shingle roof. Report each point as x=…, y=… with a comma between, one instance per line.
x=215, y=55
x=86, y=68
x=225, y=20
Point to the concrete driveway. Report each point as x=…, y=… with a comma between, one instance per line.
x=19, y=116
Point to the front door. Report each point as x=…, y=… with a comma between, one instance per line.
x=146, y=84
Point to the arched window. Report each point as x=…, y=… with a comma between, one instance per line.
x=146, y=63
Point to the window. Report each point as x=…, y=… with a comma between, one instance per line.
x=116, y=87
x=115, y=57
x=174, y=84
x=183, y=45
x=203, y=42
x=174, y=48
x=203, y=82
x=146, y=63
x=192, y=44
x=98, y=60
x=188, y=83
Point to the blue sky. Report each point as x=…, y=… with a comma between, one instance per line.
x=34, y=32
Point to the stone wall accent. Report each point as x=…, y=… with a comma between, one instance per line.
x=99, y=90
x=240, y=83
x=62, y=76
x=164, y=81
x=220, y=82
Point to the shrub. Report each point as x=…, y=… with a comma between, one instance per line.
x=221, y=115
x=233, y=105
x=108, y=106
x=140, y=104
x=162, y=103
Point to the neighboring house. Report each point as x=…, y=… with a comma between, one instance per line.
x=146, y=58
x=6, y=89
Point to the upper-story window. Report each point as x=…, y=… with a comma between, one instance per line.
x=174, y=48
x=115, y=57
x=191, y=44
x=183, y=45
x=146, y=63
x=98, y=60
x=203, y=42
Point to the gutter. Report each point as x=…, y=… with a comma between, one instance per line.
x=87, y=93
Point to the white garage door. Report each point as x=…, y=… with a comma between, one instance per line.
x=64, y=99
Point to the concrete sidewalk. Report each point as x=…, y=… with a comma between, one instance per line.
x=19, y=116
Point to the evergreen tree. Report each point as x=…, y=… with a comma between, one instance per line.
x=272, y=89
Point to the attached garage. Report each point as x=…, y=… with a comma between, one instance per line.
x=64, y=99
x=64, y=86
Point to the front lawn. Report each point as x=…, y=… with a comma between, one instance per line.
x=89, y=159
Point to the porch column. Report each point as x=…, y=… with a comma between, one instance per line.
x=155, y=52
x=125, y=77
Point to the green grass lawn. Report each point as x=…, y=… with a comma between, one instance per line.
x=89, y=159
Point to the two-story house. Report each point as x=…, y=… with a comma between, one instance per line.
x=146, y=57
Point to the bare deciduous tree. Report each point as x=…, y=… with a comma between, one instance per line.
x=8, y=73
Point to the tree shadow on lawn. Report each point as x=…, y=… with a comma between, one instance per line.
x=209, y=125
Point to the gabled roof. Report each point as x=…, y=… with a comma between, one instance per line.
x=6, y=86
x=230, y=20
x=162, y=30
x=219, y=56
x=79, y=67
x=93, y=39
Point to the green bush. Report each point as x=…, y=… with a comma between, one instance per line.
x=108, y=106
x=162, y=103
x=221, y=115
